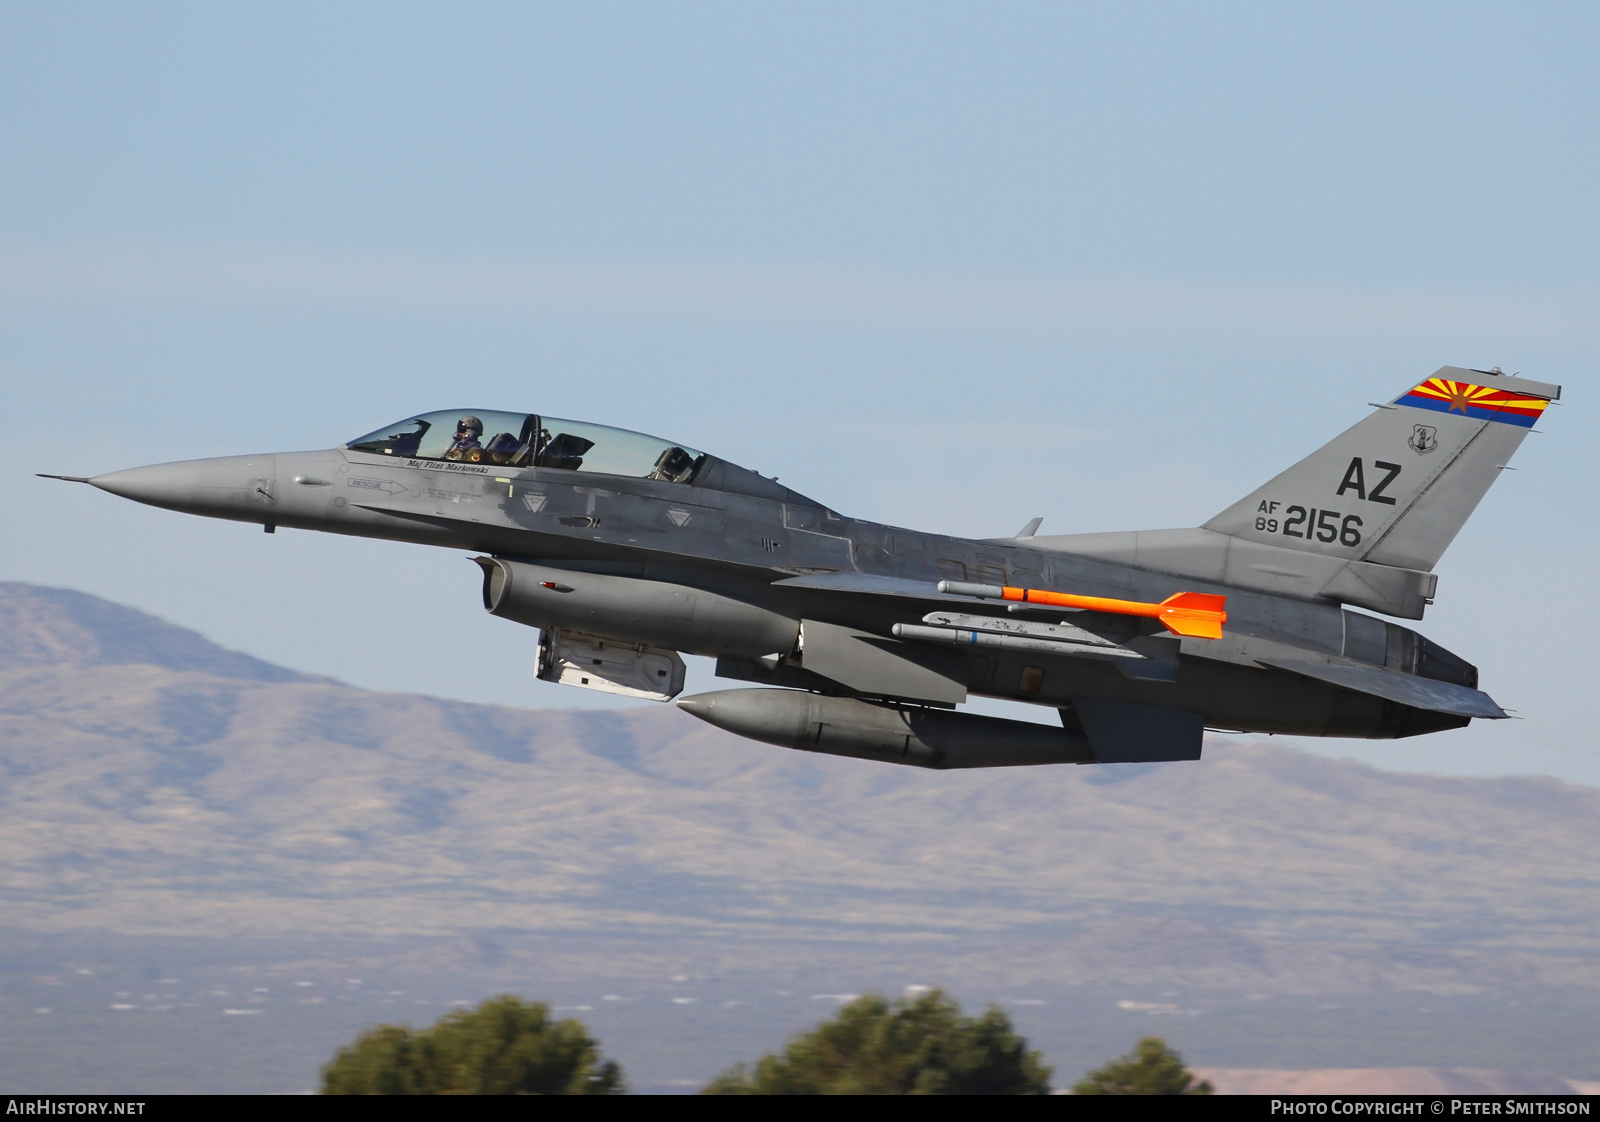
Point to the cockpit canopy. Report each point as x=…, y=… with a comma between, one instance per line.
x=520, y=440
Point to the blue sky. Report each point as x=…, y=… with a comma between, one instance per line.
x=937, y=264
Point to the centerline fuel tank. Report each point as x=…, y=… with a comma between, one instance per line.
x=896, y=734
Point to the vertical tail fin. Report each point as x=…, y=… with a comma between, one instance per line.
x=1396, y=488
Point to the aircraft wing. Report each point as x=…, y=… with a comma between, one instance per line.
x=872, y=584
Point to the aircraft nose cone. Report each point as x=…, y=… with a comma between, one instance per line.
x=228, y=487
x=159, y=484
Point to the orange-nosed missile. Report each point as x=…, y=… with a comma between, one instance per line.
x=1195, y=615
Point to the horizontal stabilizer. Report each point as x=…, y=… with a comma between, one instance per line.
x=1406, y=689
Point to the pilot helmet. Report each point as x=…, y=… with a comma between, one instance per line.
x=469, y=424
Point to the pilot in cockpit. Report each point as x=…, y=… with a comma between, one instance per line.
x=468, y=440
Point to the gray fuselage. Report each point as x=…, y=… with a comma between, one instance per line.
x=735, y=536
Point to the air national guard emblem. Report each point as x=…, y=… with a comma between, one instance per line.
x=1424, y=439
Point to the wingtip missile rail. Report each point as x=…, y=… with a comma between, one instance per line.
x=1193, y=615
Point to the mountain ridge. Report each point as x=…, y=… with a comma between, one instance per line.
x=45, y=626
x=176, y=818
x=159, y=796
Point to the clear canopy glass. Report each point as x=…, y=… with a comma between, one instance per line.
x=527, y=440
x=475, y=437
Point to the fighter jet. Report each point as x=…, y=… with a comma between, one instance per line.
x=863, y=640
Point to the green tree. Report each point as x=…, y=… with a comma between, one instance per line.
x=911, y=1047
x=503, y=1047
x=1150, y=1069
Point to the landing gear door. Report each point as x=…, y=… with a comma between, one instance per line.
x=593, y=663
